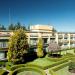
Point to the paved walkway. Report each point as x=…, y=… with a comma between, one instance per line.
x=47, y=72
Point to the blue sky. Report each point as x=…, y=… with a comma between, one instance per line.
x=59, y=13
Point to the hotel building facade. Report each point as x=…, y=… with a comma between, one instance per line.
x=46, y=32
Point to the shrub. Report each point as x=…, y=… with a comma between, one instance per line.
x=40, y=48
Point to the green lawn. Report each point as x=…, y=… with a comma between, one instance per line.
x=63, y=71
x=28, y=73
x=43, y=62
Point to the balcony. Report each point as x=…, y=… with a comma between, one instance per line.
x=52, y=36
x=4, y=37
x=71, y=35
x=44, y=35
x=72, y=41
x=60, y=36
x=5, y=34
x=65, y=41
x=65, y=36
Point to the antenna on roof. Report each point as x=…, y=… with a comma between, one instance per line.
x=9, y=17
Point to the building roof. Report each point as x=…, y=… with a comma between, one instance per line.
x=41, y=27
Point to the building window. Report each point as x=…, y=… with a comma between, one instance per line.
x=2, y=55
x=71, y=37
x=3, y=44
x=65, y=44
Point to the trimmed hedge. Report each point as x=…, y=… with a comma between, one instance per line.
x=68, y=55
x=14, y=67
x=43, y=67
x=52, y=72
x=27, y=69
x=53, y=69
x=24, y=65
x=49, y=66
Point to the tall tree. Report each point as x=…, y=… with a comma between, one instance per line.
x=11, y=27
x=23, y=27
x=18, y=46
x=17, y=26
x=53, y=47
x=2, y=27
x=40, y=48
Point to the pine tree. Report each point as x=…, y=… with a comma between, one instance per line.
x=11, y=27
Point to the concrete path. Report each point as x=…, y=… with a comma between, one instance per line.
x=47, y=72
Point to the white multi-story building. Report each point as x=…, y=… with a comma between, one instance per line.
x=46, y=32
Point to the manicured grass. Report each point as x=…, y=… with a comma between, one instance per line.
x=43, y=62
x=29, y=73
x=63, y=71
